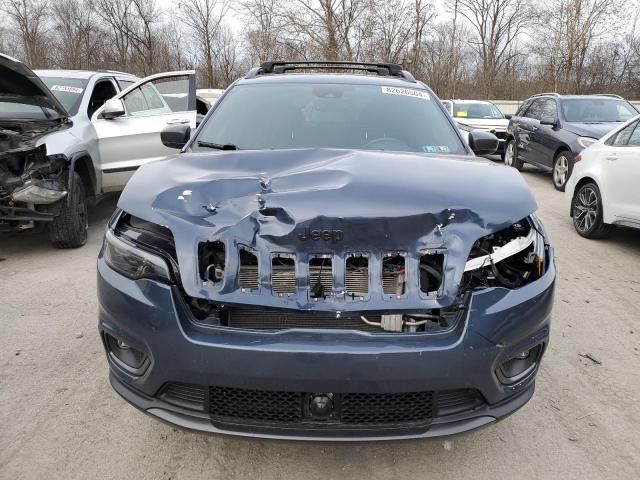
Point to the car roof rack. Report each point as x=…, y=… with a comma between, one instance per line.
x=382, y=69
x=612, y=95
x=546, y=94
x=115, y=72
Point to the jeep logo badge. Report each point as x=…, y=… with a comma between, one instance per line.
x=326, y=235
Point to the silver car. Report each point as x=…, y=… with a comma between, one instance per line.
x=68, y=137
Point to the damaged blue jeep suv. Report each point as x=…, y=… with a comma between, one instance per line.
x=326, y=259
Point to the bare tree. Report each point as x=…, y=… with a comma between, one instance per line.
x=204, y=18
x=29, y=19
x=265, y=23
x=117, y=15
x=497, y=25
x=77, y=38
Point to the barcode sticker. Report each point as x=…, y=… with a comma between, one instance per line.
x=67, y=89
x=407, y=92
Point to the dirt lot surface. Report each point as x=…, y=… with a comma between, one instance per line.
x=59, y=417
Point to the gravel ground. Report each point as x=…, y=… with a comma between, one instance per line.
x=59, y=417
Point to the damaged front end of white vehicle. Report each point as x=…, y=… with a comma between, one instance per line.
x=33, y=185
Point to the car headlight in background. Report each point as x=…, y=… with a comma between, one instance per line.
x=133, y=262
x=464, y=127
x=584, y=142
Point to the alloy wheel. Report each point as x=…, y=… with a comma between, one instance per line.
x=508, y=155
x=585, y=209
x=561, y=171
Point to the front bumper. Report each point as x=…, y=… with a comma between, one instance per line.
x=153, y=318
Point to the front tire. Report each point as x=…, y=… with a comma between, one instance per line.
x=510, y=155
x=562, y=168
x=70, y=228
x=587, y=211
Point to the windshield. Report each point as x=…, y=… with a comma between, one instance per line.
x=476, y=110
x=598, y=110
x=366, y=117
x=68, y=91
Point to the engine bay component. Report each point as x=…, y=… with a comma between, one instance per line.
x=509, y=258
x=499, y=253
x=39, y=192
x=248, y=276
x=357, y=276
x=431, y=271
x=408, y=322
x=320, y=277
x=393, y=274
x=211, y=256
x=283, y=275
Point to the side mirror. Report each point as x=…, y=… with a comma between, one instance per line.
x=548, y=120
x=483, y=143
x=508, y=116
x=175, y=136
x=113, y=108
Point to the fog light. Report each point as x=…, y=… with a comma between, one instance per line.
x=519, y=366
x=125, y=356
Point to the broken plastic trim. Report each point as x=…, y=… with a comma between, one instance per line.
x=39, y=192
x=500, y=253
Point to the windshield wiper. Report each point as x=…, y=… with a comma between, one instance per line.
x=217, y=146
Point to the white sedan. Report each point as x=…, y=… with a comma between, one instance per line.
x=603, y=189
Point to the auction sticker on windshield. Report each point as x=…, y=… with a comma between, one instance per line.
x=407, y=92
x=65, y=88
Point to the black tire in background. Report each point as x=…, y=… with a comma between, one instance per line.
x=562, y=168
x=510, y=156
x=587, y=210
x=70, y=228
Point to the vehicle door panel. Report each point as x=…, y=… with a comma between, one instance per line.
x=127, y=142
x=543, y=141
x=527, y=126
x=622, y=165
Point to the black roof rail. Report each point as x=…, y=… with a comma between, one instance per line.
x=612, y=95
x=115, y=72
x=382, y=69
x=546, y=94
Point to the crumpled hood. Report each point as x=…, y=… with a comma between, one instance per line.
x=378, y=201
x=19, y=84
x=593, y=130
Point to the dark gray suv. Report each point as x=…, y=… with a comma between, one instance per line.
x=326, y=259
x=549, y=130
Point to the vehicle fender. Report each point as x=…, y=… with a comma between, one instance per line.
x=82, y=163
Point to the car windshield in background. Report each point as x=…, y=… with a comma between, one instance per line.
x=68, y=91
x=362, y=117
x=476, y=110
x=599, y=110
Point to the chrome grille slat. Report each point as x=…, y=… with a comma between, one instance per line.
x=283, y=279
x=322, y=273
x=248, y=276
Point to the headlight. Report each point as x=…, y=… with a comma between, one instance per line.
x=464, y=127
x=509, y=258
x=133, y=262
x=584, y=142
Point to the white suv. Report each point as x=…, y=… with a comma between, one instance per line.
x=67, y=137
x=603, y=188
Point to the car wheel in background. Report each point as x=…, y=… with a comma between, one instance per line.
x=562, y=168
x=510, y=155
x=70, y=228
x=586, y=208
